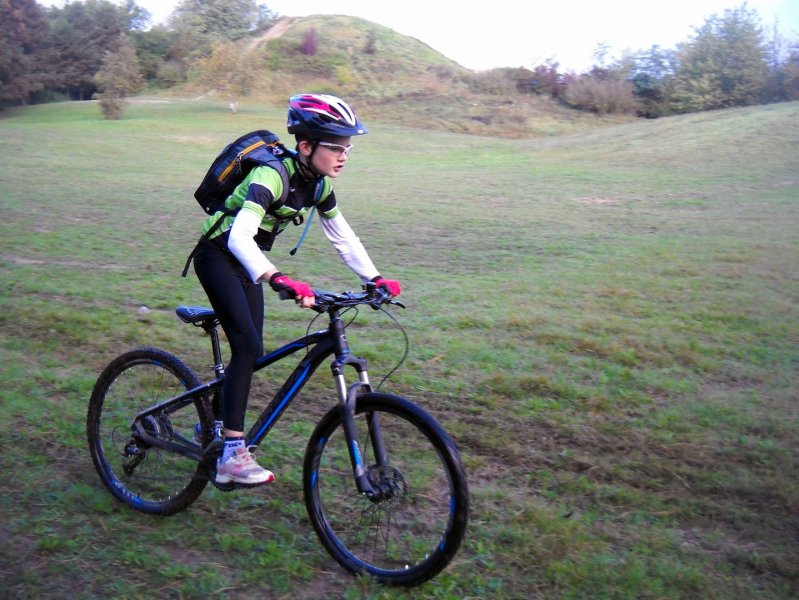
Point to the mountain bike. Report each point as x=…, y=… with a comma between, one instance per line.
x=383, y=483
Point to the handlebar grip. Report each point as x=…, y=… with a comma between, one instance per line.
x=378, y=296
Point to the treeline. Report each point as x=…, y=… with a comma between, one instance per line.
x=94, y=48
x=729, y=62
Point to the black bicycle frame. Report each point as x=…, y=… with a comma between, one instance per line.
x=332, y=341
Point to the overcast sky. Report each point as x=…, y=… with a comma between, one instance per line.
x=522, y=33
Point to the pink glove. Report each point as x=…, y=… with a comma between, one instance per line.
x=282, y=283
x=392, y=286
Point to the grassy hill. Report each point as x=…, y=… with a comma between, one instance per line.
x=605, y=321
x=394, y=78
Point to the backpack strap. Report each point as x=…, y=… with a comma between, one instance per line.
x=276, y=162
x=320, y=185
x=265, y=157
x=207, y=235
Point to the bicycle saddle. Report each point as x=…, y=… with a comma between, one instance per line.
x=195, y=314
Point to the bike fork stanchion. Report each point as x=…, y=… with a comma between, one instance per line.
x=347, y=402
x=376, y=435
x=351, y=436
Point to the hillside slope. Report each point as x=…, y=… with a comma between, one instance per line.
x=399, y=79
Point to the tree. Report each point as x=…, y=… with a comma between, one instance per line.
x=652, y=74
x=725, y=64
x=791, y=74
x=154, y=49
x=118, y=78
x=82, y=33
x=656, y=62
x=225, y=72
x=202, y=23
x=23, y=50
x=138, y=18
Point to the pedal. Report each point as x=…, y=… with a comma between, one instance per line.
x=232, y=486
x=225, y=487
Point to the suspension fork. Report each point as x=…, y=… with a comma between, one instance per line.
x=348, y=397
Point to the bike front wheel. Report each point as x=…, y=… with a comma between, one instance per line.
x=412, y=529
x=146, y=477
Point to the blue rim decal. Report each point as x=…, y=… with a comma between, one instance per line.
x=356, y=453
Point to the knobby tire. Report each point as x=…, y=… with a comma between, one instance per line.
x=409, y=536
x=157, y=481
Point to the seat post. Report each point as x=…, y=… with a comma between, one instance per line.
x=210, y=329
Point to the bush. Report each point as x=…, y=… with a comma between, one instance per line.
x=170, y=73
x=602, y=96
x=119, y=77
x=543, y=80
x=310, y=42
x=112, y=104
x=498, y=82
x=371, y=44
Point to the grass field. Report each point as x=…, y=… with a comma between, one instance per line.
x=607, y=323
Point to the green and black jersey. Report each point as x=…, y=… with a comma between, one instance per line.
x=258, y=193
x=254, y=215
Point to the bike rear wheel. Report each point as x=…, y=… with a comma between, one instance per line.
x=414, y=531
x=145, y=477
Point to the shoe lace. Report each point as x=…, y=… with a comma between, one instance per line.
x=246, y=457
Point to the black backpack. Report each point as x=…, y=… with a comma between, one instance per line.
x=236, y=160
x=229, y=169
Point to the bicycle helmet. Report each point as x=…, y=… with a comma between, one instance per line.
x=316, y=116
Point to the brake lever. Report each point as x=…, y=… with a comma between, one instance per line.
x=380, y=298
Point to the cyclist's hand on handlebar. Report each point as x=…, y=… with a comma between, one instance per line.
x=392, y=286
x=299, y=290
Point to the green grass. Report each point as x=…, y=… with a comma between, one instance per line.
x=606, y=322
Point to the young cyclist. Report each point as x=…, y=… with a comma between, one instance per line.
x=231, y=264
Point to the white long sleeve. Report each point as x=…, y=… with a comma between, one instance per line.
x=349, y=247
x=242, y=244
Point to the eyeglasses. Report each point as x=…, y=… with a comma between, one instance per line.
x=337, y=149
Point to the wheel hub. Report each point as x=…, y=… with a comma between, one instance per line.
x=388, y=483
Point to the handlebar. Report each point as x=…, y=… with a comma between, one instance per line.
x=329, y=301
x=371, y=296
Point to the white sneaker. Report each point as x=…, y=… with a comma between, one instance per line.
x=242, y=468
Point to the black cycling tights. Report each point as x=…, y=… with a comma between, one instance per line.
x=239, y=304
